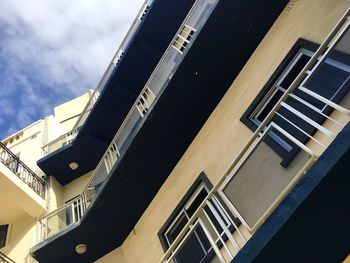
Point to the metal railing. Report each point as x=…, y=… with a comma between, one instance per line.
x=61, y=218
x=252, y=163
x=68, y=138
x=154, y=87
x=58, y=143
x=22, y=171
x=5, y=259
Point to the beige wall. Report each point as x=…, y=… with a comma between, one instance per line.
x=68, y=113
x=215, y=147
x=59, y=195
x=17, y=197
x=116, y=256
x=24, y=206
x=28, y=144
x=29, y=141
x=222, y=137
x=22, y=237
x=75, y=187
x=55, y=194
x=52, y=129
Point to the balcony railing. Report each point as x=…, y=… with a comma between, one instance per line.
x=255, y=182
x=5, y=259
x=61, y=218
x=22, y=171
x=154, y=87
x=68, y=138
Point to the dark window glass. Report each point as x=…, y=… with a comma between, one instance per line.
x=196, y=247
x=269, y=106
x=295, y=70
x=3, y=235
x=192, y=250
x=331, y=80
x=176, y=229
x=196, y=202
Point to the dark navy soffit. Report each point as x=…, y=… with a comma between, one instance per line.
x=167, y=132
x=150, y=42
x=312, y=222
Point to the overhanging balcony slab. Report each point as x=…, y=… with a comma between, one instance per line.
x=18, y=199
x=219, y=52
x=156, y=31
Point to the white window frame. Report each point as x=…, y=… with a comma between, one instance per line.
x=183, y=213
x=277, y=87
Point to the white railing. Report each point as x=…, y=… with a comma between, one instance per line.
x=154, y=87
x=5, y=259
x=61, y=218
x=71, y=135
x=252, y=162
x=58, y=143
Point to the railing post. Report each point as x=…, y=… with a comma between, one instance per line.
x=5, y=259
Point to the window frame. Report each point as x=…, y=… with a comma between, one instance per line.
x=287, y=157
x=7, y=240
x=201, y=179
x=202, y=182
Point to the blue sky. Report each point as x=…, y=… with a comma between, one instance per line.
x=54, y=50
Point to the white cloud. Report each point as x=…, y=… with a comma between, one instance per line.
x=52, y=51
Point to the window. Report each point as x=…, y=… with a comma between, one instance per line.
x=197, y=247
x=331, y=82
x=4, y=235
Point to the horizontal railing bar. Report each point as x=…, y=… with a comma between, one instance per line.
x=6, y=258
x=324, y=100
x=307, y=119
x=301, y=130
x=312, y=107
x=60, y=208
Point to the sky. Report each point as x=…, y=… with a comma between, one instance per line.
x=54, y=50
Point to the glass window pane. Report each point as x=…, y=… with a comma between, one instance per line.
x=192, y=250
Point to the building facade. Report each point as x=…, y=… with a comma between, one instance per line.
x=218, y=133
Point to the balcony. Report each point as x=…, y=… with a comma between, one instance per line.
x=5, y=259
x=123, y=80
x=23, y=172
x=166, y=116
x=74, y=211
x=20, y=187
x=258, y=190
